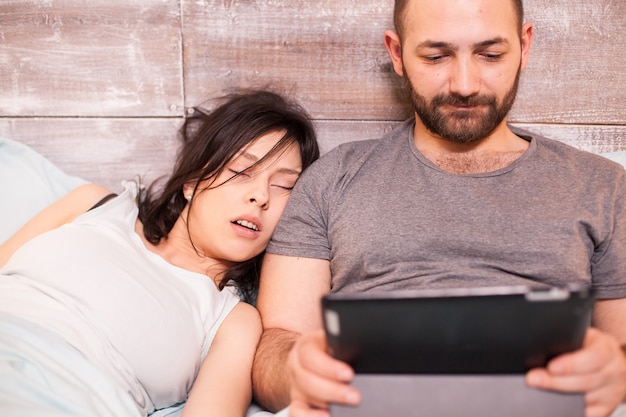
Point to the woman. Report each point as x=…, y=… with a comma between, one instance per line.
x=114, y=305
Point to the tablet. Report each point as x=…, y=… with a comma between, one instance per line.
x=501, y=330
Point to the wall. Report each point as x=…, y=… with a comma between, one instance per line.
x=101, y=86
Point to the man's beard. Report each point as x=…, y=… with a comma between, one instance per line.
x=462, y=126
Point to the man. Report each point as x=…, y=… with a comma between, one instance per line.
x=454, y=198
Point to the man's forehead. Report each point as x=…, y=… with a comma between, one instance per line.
x=460, y=21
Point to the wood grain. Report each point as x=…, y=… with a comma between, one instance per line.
x=101, y=87
x=103, y=150
x=330, y=54
x=577, y=66
x=107, y=151
x=101, y=58
x=596, y=139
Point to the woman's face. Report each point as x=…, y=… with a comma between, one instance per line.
x=233, y=219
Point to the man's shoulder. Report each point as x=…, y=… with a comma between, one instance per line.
x=359, y=149
x=346, y=161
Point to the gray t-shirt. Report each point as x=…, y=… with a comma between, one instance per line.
x=387, y=218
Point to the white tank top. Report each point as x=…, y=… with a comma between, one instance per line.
x=144, y=321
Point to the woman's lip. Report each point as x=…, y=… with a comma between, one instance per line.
x=244, y=231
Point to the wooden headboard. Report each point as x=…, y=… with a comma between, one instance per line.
x=101, y=87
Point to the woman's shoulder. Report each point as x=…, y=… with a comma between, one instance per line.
x=243, y=319
x=86, y=196
x=64, y=210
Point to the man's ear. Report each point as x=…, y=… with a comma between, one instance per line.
x=526, y=41
x=394, y=48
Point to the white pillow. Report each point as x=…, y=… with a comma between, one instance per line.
x=619, y=157
x=28, y=183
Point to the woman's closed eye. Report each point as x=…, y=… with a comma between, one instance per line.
x=283, y=186
x=237, y=173
x=284, y=179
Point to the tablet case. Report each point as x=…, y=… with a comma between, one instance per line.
x=503, y=330
x=456, y=352
x=456, y=396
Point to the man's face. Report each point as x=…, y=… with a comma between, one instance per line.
x=461, y=63
x=475, y=116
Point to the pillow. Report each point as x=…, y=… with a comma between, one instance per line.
x=619, y=157
x=28, y=183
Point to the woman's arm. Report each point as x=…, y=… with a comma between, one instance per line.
x=223, y=387
x=62, y=211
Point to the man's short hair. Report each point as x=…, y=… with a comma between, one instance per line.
x=400, y=6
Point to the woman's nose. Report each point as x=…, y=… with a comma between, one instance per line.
x=259, y=194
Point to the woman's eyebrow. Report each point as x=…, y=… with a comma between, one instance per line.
x=290, y=171
x=253, y=158
x=248, y=155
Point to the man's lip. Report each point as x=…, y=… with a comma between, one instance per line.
x=463, y=107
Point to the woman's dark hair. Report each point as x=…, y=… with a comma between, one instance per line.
x=210, y=141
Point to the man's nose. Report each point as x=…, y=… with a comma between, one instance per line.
x=465, y=77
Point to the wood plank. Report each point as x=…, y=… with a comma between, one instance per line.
x=107, y=151
x=576, y=71
x=101, y=58
x=330, y=54
x=596, y=139
x=104, y=151
x=108, y=78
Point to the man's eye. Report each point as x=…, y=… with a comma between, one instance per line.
x=492, y=57
x=434, y=58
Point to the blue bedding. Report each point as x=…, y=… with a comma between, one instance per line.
x=41, y=375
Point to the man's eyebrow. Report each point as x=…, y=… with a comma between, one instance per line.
x=490, y=42
x=436, y=45
x=452, y=47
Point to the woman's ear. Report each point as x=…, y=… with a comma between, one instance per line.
x=394, y=48
x=188, y=189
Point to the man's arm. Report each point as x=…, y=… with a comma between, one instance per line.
x=610, y=317
x=289, y=302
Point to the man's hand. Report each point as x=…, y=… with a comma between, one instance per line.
x=598, y=369
x=317, y=379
